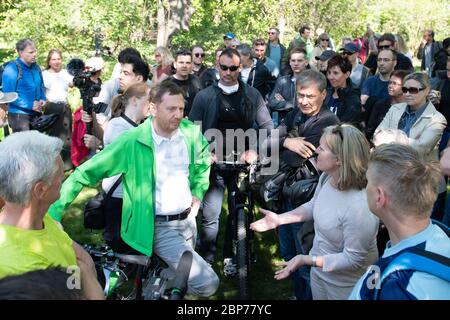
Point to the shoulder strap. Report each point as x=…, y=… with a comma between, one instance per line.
x=19, y=73
x=114, y=187
x=417, y=260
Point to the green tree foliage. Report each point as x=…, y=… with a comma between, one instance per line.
x=71, y=25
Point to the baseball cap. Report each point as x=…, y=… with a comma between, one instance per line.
x=229, y=35
x=7, y=97
x=327, y=54
x=350, y=47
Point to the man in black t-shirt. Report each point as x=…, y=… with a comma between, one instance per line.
x=184, y=78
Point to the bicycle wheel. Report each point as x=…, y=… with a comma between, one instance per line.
x=242, y=258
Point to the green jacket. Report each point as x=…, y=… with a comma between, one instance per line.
x=132, y=156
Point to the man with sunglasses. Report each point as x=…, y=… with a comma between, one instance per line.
x=198, y=56
x=223, y=108
x=274, y=49
x=387, y=42
x=359, y=71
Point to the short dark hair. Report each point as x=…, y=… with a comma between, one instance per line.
x=128, y=51
x=183, y=52
x=387, y=37
x=47, y=284
x=197, y=46
x=167, y=87
x=296, y=50
x=259, y=42
x=23, y=43
x=140, y=67
x=342, y=62
x=446, y=43
x=303, y=28
x=230, y=52
x=394, y=53
x=401, y=74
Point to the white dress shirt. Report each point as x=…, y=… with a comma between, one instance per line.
x=173, y=193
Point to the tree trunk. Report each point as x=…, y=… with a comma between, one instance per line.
x=173, y=15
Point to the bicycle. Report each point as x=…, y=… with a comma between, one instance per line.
x=152, y=281
x=240, y=209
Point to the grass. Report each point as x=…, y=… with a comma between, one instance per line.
x=263, y=286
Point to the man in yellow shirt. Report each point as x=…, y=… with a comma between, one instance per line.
x=31, y=173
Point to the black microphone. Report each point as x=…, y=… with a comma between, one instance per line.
x=181, y=276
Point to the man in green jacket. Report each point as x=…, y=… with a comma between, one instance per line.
x=165, y=166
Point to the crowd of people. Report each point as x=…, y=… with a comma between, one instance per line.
x=373, y=128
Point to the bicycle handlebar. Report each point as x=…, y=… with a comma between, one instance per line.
x=128, y=258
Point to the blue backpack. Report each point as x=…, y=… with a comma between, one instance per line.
x=418, y=260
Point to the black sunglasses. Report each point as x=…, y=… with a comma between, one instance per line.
x=231, y=68
x=346, y=53
x=412, y=90
x=199, y=55
x=325, y=39
x=384, y=47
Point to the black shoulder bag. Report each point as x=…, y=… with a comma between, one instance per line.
x=94, y=210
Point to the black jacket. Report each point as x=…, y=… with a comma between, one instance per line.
x=349, y=103
x=286, y=88
x=435, y=47
x=190, y=87
x=260, y=78
x=296, y=124
x=252, y=108
x=379, y=110
x=440, y=59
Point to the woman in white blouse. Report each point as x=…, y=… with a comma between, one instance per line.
x=345, y=229
x=56, y=82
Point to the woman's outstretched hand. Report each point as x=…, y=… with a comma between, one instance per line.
x=269, y=222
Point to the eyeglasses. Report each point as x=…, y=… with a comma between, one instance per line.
x=231, y=68
x=384, y=60
x=412, y=90
x=347, y=53
x=198, y=55
x=384, y=47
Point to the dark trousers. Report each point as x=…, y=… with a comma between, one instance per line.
x=19, y=122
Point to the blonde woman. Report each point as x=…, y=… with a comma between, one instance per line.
x=401, y=47
x=345, y=229
x=164, y=61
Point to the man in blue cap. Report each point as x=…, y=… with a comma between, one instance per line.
x=227, y=39
x=359, y=71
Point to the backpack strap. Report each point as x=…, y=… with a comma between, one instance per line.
x=418, y=260
x=19, y=73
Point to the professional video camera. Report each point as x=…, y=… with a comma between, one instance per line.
x=89, y=89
